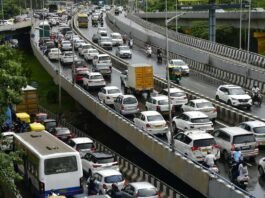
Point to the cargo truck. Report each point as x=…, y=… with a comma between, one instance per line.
x=138, y=79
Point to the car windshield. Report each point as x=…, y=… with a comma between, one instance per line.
x=114, y=91
x=259, y=129
x=114, y=179
x=204, y=142
x=155, y=118
x=84, y=146
x=115, y=36
x=66, y=42
x=178, y=62
x=200, y=120
x=129, y=100
x=204, y=104
x=62, y=131
x=60, y=165
x=124, y=48
x=163, y=102
x=105, y=160
x=104, y=58
x=104, y=39
x=240, y=139
x=177, y=94
x=236, y=91
x=96, y=77
x=92, y=51
x=147, y=192
x=50, y=124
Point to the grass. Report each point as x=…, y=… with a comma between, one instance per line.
x=47, y=90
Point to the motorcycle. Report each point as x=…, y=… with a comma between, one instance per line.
x=242, y=182
x=257, y=98
x=159, y=58
x=214, y=169
x=148, y=51
x=131, y=43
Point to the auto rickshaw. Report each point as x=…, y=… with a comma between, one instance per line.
x=94, y=22
x=35, y=126
x=23, y=117
x=175, y=74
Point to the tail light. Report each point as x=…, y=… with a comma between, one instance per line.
x=115, y=163
x=96, y=165
x=158, y=108
x=105, y=186
x=93, y=148
x=232, y=147
x=122, y=107
x=159, y=195
x=136, y=195
x=42, y=187
x=110, y=68
x=195, y=148
x=215, y=110
x=216, y=146
x=257, y=145
x=148, y=126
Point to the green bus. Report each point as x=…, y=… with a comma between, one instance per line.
x=44, y=28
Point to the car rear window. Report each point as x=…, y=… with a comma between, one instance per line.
x=84, y=146
x=239, y=139
x=259, y=129
x=114, y=91
x=105, y=160
x=177, y=94
x=200, y=120
x=62, y=131
x=204, y=142
x=114, y=179
x=204, y=105
x=163, y=102
x=96, y=77
x=155, y=118
x=130, y=100
x=147, y=192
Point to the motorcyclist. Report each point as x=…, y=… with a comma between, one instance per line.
x=148, y=50
x=236, y=158
x=159, y=55
x=243, y=171
x=114, y=192
x=92, y=186
x=255, y=91
x=130, y=42
x=209, y=159
x=124, y=38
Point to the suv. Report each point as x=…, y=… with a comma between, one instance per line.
x=230, y=138
x=158, y=103
x=177, y=96
x=82, y=145
x=233, y=95
x=102, y=63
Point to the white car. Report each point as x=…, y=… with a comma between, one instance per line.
x=78, y=43
x=202, y=105
x=261, y=167
x=126, y=104
x=124, y=51
x=192, y=120
x=141, y=190
x=66, y=45
x=94, y=161
x=82, y=47
x=106, y=177
x=180, y=63
x=68, y=58
x=105, y=42
x=151, y=121
x=158, y=103
x=116, y=39
x=82, y=144
x=102, y=63
x=89, y=54
x=196, y=143
x=108, y=94
x=93, y=80
x=177, y=96
x=257, y=128
x=54, y=54
x=233, y=95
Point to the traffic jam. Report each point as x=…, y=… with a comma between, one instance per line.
x=194, y=127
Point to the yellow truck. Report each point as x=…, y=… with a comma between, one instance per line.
x=139, y=78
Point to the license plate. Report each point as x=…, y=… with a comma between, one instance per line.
x=158, y=126
x=205, y=150
x=245, y=147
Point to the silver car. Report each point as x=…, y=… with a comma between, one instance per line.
x=140, y=189
x=126, y=104
x=124, y=51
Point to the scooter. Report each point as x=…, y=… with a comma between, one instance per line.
x=131, y=43
x=214, y=169
x=148, y=51
x=243, y=182
x=159, y=58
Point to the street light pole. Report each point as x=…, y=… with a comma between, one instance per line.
x=2, y=8
x=248, y=44
x=73, y=50
x=176, y=15
x=240, y=25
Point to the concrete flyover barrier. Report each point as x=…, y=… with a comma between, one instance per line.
x=15, y=26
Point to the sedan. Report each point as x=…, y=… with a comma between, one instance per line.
x=62, y=133
x=126, y=104
x=108, y=94
x=54, y=54
x=177, y=96
x=140, y=189
x=89, y=54
x=151, y=121
x=124, y=51
x=158, y=103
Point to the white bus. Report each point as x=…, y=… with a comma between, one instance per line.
x=49, y=165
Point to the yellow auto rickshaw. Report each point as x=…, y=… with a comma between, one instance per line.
x=24, y=117
x=35, y=126
x=175, y=73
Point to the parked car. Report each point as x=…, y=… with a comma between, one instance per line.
x=230, y=138
x=82, y=144
x=94, y=161
x=108, y=94
x=116, y=39
x=196, y=143
x=54, y=54
x=180, y=63
x=257, y=128
x=177, y=96
x=126, y=104
x=124, y=51
x=202, y=105
x=233, y=95
x=140, y=190
x=151, y=121
x=158, y=103
x=89, y=54
x=93, y=80
x=62, y=133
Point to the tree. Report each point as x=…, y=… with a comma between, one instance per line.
x=11, y=8
x=12, y=79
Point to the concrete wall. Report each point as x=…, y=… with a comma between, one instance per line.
x=16, y=26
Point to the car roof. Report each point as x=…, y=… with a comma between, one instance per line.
x=110, y=87
x=128, y=96
x=115, y=33
x=195, y=114
x=199, y=100
x=142, y=185
x=174, y=89
x=235, y=131
x=198, y=134
x=81, y=140
x=102, y=154
x=148, y=113
x=95, y=74
x=101, y=55
x=108, y=172
x=49, y=120
x=230, y=86
x=160, y=97
x=255, y=123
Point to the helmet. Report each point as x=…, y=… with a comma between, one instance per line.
x=255, y=85
x=236, y=149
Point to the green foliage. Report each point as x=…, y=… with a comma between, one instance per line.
x=12, y=78
x=200, y=30
x=11, y=8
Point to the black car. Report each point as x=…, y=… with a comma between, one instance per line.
x=62, y=133
x=49, y=124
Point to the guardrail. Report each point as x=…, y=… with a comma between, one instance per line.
x=216, y=48
x=130, y=170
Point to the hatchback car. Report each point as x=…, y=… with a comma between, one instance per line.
x=108, y=94
x=106, y=177
x=257, y=128
x=116, y=39
x=54, y=54
x=195, y=144
x=94, y=161
x=151, y=121
x=159, y=104
x=126, y=104
x=233, y=95
x=192, y=120
x=124, y=51
x=202, y=105
x=93, y=80
x=177, y=96
x=82, y=144
x=140, y=190
x=62, y=133
x=230, y=138
x=180, y=63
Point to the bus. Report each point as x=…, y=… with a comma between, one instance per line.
x=49, y=165
x=44, y=28
x=82, y=20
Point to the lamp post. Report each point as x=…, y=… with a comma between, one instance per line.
x=2, y=8
x=176, y=15
x=73, y=49
x=248, y=44
x=168, y=79
x=240, y=25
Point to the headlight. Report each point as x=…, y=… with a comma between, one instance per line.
x=234, y=99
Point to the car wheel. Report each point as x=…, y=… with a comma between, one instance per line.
x=174, y=127
x=229, y=102
x=261, y=171
x=249, y=107
x=217, y=98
